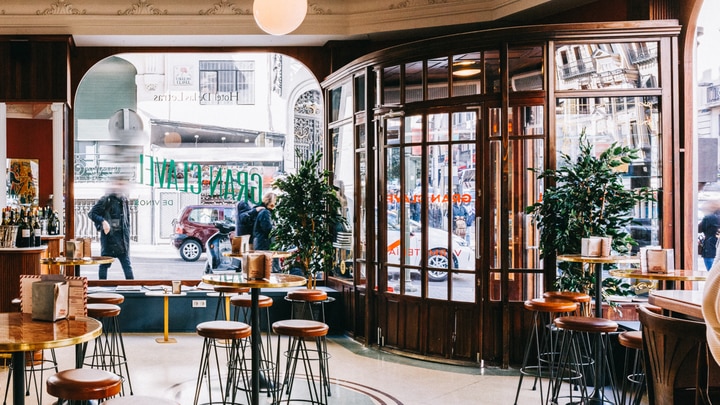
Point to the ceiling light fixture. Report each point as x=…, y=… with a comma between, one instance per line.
x=279, y=17
x=466, y=68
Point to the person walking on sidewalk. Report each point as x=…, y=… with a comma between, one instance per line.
x=111, y=216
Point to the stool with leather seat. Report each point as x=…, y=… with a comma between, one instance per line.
x=302, y=302
x=215, y=334
x=105, y=298
x=81, y=385
x=541, y=341
x=224, y=295
x=633, y=386
x=578, y=333
x=582, y=299
x=300, y=332
x=109, y=349
x=242, y=304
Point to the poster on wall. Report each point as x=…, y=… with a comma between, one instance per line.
x=22, y=181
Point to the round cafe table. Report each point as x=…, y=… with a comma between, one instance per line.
x=82, y=261
x=668, y=279
x=276, y=280
x=19, y=333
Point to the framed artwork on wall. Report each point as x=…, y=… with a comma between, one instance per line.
x=22, y=181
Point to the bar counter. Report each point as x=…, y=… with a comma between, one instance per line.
x=13, y=263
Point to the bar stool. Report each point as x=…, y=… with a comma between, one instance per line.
x=582, y=299
x=105, y=298
x=299, y=332
x=305, y=299
x=242, y=304
x=215, y=333
x=633, y=386
x=80, y=385
x=140, y=400
x=575, y=347
x=224, y=294
x=541, y=339
x=109, y=348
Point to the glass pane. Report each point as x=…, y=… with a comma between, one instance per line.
x=439, y=211
x=525, y=191
x=627, y=121
x=464, y=126
x=413, y=82
x=494, y=121
x=438, y=289
x=492, y=71
x=525, y=65
x=412, y=231
x=532, y=120
x=362, y=233
x=467, y=74
x=344, y=182
x=392, y=131
x=437, y=78
x=463, y=257
x=437, y=127
x=360, y=94
x=391, y=85
x=361, y=141
x=393, y=279
x=463, y=287
x=341, y=105
x=607, y=66
x=413, y=131
x=494, y=200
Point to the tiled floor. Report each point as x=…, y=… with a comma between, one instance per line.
x=359, y=376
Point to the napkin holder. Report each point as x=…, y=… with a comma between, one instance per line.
x=241, y=244
x=258, y=266
x=660, y=260
x=74, y=249
x=595, y=246
x=49, y=300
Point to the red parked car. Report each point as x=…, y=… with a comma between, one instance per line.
x=195, y=226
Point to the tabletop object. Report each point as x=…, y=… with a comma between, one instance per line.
x=19, y=333
x=166, y=309
x=276, y=280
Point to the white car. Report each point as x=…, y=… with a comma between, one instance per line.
x=462, y=255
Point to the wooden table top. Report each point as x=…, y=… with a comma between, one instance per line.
x=276, y=280
x=676, y=275
x=687, y=302
x=19, y=332
x=577, y=258
x=276, y=254
x=65, y=261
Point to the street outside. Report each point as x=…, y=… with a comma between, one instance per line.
x=151, y=262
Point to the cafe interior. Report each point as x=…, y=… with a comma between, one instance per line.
x=521, y=185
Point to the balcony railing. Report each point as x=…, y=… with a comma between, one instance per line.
x=85, y=228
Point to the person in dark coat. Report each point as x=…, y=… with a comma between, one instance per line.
x=111, y=216
x=264, y=223
x=709, y=227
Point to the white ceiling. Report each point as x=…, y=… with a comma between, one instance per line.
x=171, y=23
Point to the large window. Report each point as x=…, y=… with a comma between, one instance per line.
x=227, y=82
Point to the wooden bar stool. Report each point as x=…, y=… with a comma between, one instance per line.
x=582, y=299
x=299, y=332
x=215, y=333
x=541, y=341
x=80, y=385
x=109, y=348
x=140, y=400
x=105, y=298
x=303, y=300
x=633, y=386
x=577, y=355
x=223, y=303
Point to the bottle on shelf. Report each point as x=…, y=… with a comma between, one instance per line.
x=37, y=230
x=23, y=239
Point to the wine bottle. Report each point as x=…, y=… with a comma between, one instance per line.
x=23, y=232
x=37, y=230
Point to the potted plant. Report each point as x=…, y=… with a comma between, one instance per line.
x=586, y=197
x=307, y=214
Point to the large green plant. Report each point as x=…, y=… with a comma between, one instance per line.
x=586, y=197
x=307, y=214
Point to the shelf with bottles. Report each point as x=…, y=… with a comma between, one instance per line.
x=23, y=226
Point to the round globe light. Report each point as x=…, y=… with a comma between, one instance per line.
x=279, y=17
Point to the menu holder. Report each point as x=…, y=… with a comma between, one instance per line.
x=77, y=292
x=258, y=265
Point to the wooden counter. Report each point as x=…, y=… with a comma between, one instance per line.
x=13, y=263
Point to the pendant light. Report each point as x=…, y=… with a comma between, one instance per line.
x=279, y=17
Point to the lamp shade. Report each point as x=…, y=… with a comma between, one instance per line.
x=279, y=17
